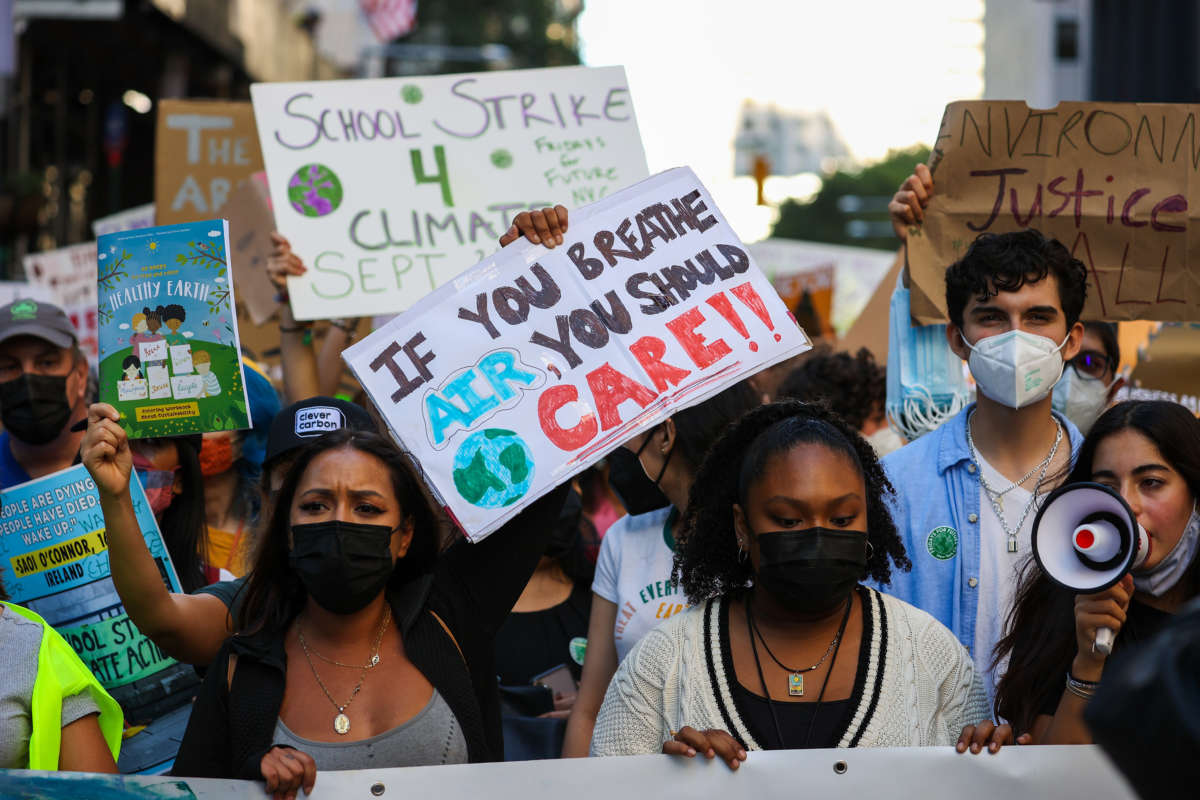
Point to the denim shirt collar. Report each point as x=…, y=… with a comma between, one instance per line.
x=953, y=448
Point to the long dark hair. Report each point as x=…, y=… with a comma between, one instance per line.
x=706, y=561
x=1040, y=630
x=184, y=524
x=273, y=593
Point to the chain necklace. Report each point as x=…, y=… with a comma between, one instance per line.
x=341, y=722
x=995, y=497
x=796, y=678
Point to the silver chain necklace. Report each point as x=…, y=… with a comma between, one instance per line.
x=995, y=497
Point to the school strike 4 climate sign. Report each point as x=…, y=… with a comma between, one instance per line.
x=1116, y=183
x=389, y=188
x=534, y=363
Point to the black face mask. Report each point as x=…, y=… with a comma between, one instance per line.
x=636, y=491
x=343, y=565
x=811, y=571
x=34, y=408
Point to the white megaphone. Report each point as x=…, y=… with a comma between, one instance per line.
x=1085, y=537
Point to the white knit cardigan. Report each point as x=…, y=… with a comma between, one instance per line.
x=915, y=685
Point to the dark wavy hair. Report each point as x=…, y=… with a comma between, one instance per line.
x=706, y=560
x=854, y=384
x=1040, y=629
x=1004, y=262
x=697, y=427
x=273, y=593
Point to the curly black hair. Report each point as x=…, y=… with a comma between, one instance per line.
x=854, y=384
x=706, y=558
x=1004, y=262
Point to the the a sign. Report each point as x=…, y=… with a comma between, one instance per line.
x=203, y=150
x=12, y=291
x=128, y=220
x=70, y=274
x=54, y=557
x=1112, y=181
x=1064, y=772
x=388, y=188
x=534, y=363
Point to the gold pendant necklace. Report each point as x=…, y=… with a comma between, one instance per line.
x=795, y=683
x=341, y=722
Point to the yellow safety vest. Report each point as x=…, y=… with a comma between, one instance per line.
x=61, y=674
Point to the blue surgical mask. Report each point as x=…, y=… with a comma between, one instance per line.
x=925, y=383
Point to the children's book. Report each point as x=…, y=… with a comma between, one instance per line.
x=169, y=347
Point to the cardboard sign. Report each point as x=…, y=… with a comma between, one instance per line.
x=1111, y=181
x=389, y=188
x=251, y=223
x=203, y=150
x=70, y=275
x=55, y=558
x=534, y=363
x=12, y=291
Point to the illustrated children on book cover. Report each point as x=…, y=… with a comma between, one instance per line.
x=169, y=347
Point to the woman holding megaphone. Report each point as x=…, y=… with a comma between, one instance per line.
x=1149, y=453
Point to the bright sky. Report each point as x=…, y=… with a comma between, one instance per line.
x=883, y=71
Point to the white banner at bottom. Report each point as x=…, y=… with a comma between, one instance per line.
x=931, y=773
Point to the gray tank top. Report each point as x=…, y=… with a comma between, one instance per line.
x=433, y=736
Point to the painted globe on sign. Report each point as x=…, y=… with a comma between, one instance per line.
x=315, y=191
x=493, y=468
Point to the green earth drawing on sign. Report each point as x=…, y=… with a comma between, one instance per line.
x=493, y=468
x=314, y=190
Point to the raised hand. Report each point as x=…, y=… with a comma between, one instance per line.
x=540, y=227
x=105, y=451
x=907, y=206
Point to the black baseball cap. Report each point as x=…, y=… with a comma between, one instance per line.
x=304, y=421
x=30, y=318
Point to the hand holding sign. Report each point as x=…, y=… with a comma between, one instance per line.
x=105, y=451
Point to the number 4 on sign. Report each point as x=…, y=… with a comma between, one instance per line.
x=441, y=178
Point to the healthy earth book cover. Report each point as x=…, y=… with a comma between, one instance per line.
x=169, y=346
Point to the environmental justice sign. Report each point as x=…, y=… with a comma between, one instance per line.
x=388, y=188
x=54, y=553
x=1112, y=181
x=203, y=150
x=535, y=363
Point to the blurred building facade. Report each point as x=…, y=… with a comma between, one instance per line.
x=80, y=82
x=1047, y=51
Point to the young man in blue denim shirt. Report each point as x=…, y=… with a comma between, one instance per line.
x=967, y=492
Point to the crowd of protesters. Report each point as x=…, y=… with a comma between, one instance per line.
x=774, y=568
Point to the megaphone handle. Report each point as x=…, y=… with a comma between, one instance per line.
x=1104, y=641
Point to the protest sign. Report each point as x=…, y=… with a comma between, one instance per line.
x=389, y=188
x=203, y=150
x=70, y=274
x=534, y=363
x=1111, y=181
x=128, y=220
x=250, y=225
x=54, y=550
x=12, y=291
x=1047, y=772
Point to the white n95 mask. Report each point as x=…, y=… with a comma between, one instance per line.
x=1015, y=368
x=1080, y=398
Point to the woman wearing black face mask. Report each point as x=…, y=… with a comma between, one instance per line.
x=356, y=644
x=782, y=649
x=632, y=591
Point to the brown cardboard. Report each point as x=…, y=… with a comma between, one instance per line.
x=250, y=225
x=203, y=150
x=1111, y=181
